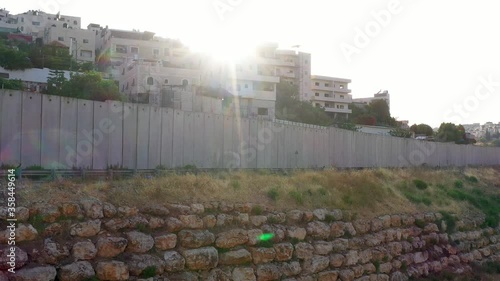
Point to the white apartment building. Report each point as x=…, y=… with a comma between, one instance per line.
x=34, y=22
x=332, y=94
x=381, y=95
x=251, y=81
x=295, y=68
x=146, y=80
x=81, y=42
x=118, y=47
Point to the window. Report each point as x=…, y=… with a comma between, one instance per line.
x=317, y=83
x=185, y=82
x=86, y=53
x=150, y=81
x=85, y=41
x=340, y=106
x=122, y=49
x=316, y=94
x=165, y=82
x=341, y=96
x=134, y=50
x=262, y=111
x=341, y=86
x=156, y=52
x=327, y=95
x=60, y=38
x=75, y=22
x=65, y=25
x=327, y=84
x=36, y=23
x=4, y=75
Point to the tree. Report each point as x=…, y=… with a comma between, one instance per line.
x=422, y=129
x=88, y=85
x=289, y=107
x=448, y=132
x=13, y=59
x=11, y=84
x=400, y=133
x=380, y=110
x=487, y=135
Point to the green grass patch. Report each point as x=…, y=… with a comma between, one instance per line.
x=148, y=272
x=458, y=184
x=472, y=179
x=420, y=184
x=257, y=210
x=297, y=196
x=273, y=193
x=235, y=184
x=487, y=203
x=449, y=220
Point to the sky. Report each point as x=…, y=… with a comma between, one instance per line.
x=439, y=60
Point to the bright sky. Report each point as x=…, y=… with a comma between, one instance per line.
x=434, y=57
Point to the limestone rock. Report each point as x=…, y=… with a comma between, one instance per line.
x=284, y=251
x=165, y=242
x=21, y=257
x=174, y=261
x=237, y=257
x=109, y=247
x=25, y=232
x=328, y=276
x=304, y=251
x=112, y=270
x=315, y=264
x=139, y=242
x=202, y=258
x=262, y=255
x=41, y=273
x=191, y=221
x=138, y=263
x=70, y=209
x=291, y=268
x=268, y=272
x=173, y=224
x=77, y=271
x=231, y=238
x=92, y=208
x=195, y=238
x=318, y=230
x=86, y=229
x=244, y=274
x=109, y=210
x=297, y=233
x=84, y=250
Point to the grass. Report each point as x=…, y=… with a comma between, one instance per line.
x=449, y=220
x=420, y=184
x=368, y=192
x=148, y=272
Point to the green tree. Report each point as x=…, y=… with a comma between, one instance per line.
x=400, y=133
x=13, y=59
x=448, y=132
x=56, y=82
x=12, y=84
x=289, y=107
x=487, y=135
x=422, y=129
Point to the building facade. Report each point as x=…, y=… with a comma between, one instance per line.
x=81, y=42
x=332, y=94
x=34, y=22
x=295, y=68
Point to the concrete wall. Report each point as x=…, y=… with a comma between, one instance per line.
x=57, y=132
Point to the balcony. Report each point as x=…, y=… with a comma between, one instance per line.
x=260, y=95
x=337, y=110
x=344, y=90
x=256, y=77
x=346, y=99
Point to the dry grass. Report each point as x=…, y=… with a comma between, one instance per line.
x=369, y=192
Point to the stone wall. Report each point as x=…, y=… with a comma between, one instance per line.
x=217, y=241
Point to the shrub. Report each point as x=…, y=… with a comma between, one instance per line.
x=297, y=196
x=449, y=220
x=236, y=184
x=257, y=210
x=273, y=193
x=420, y=184
x=472, y=179
x=458, y=184
x=420, y=223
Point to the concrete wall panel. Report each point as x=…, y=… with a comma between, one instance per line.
x=178, y=141
x=31, y=129
x=188, y=140
x=143, y=124
x=84, y=136
x=219, y=140
x=253, y=140
x=280, y=143
x=51, y=121
x=210, y=155
x=10, y=134
x=67, y=134
x=101, y=121
x=167, y=133
x=155, y=127
x=199, y=141
x=116, y=113
x=228, y=151
x=130, y=136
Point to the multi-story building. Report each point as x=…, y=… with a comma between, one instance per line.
x=34, y=22
x=295, y=68
x=118, y=47
x=332, y=94
x=250, y=81
x=381, y=95
x=81, y=42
